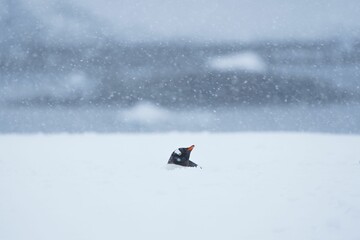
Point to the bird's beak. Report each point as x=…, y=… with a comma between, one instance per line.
x=190, y=148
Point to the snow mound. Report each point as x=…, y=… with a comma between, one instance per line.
x=174, y=167
x=275, y=186
x=145, y=113
x=245, y=61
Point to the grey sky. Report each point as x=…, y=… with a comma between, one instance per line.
x=227, y=19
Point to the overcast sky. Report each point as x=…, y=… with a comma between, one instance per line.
x=227, y=19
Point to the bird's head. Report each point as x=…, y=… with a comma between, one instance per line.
x=181, y=155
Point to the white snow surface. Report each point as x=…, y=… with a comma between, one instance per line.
x=117, y=186
x=244, y=61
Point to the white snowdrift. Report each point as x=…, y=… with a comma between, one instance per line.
x=145, y=113
x=245, y=61
x=252, y=186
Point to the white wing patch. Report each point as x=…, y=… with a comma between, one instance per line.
x=177, y=152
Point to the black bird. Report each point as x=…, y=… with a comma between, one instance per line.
x=181, y=157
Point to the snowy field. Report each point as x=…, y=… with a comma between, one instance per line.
x=116, y=186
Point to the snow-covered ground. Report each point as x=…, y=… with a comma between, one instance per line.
x=116, y=186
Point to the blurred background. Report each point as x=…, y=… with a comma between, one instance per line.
x=156, y=65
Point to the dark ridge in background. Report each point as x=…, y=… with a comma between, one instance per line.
x=88, y=66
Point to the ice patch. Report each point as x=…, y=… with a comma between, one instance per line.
x=246, y=61
x=145, y=113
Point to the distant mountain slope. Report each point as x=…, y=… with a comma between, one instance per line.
x=178, y=74
x=49, y=23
